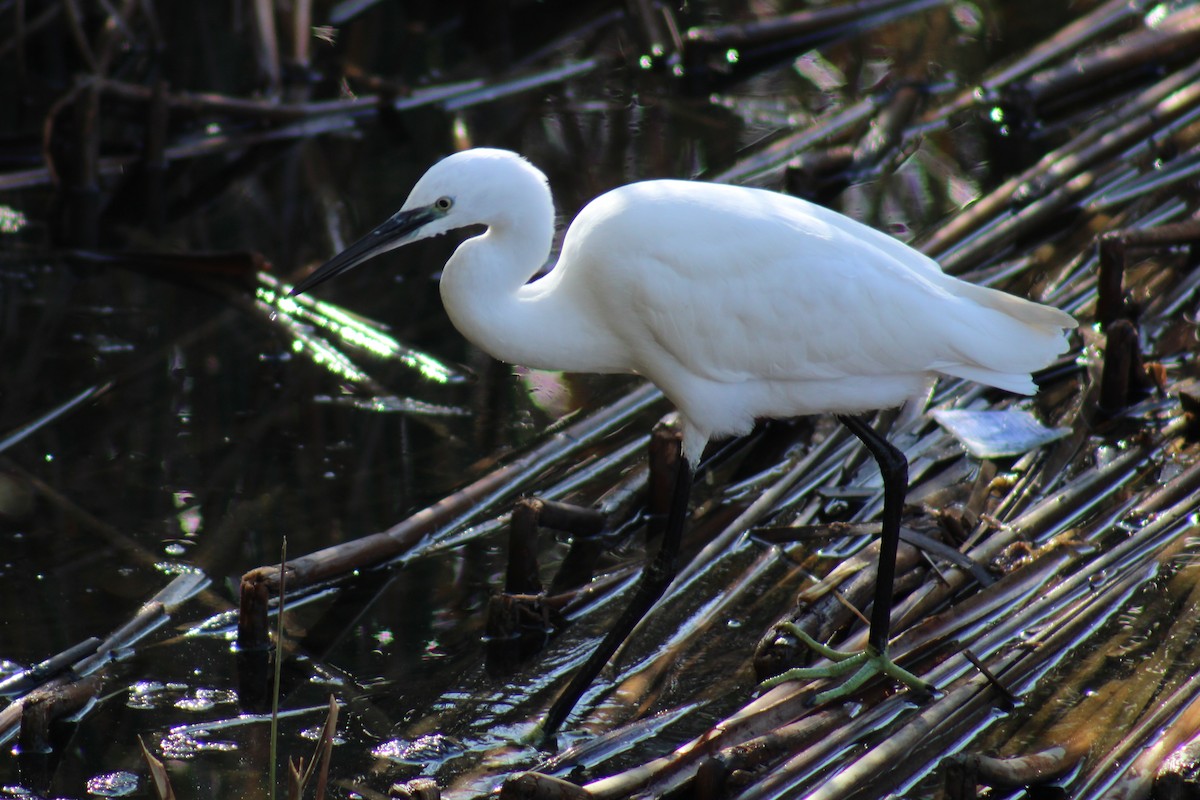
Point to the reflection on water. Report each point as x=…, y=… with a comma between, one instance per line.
x=299, y=315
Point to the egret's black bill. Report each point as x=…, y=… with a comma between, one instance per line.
x=384, y=237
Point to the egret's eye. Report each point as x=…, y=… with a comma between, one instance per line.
x=443, y=203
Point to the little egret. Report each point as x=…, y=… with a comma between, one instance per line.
x=737, y=303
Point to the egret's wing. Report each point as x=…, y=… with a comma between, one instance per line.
x=795, y=320
x=741, y=285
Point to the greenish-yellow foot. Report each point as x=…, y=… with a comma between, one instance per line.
x=860, y=666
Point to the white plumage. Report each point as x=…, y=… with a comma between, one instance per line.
x=738, y=303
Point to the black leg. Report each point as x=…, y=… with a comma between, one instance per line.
x=860, y=667
x=656, y=576
x=894, y=468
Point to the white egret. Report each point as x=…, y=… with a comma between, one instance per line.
x=737, y=303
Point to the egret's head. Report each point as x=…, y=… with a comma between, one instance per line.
x=477, y=187
x=473, y=187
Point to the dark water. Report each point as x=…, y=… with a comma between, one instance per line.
x=216, y=436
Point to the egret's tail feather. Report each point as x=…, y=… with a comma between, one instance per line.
x=1007, y=360
x=1018, y=383
x=1048, y=318
x=1021, y=336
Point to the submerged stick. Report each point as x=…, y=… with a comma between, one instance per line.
x=457, y=508
x=1059, y=175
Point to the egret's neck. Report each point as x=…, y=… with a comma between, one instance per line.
x=540, y=325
